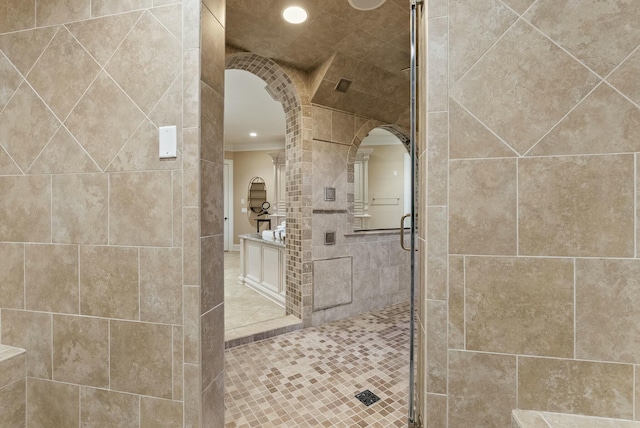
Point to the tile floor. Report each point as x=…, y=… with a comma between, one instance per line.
x=246, y=312
x=309, y=378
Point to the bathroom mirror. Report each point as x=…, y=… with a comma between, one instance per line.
x=257, y=204
x=382, y=181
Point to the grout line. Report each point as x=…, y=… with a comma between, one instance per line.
x=635, y=206
x=517, y=382
x=575, y=312
x=633, y=401
x=518, y=207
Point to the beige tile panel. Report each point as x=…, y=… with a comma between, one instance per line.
x=483, y=207
x=109, y=282
x=13, y=367
x=469, y=138
x=141, y=356
x=212, y=123
x=161, y=285
x=178, y=362
x=519, y=305
x=456, y=302
x=343, y=127
x=102, y=36
x=147, y=62
x=7, y=165
x=470, y=398
x=436, y=410
x=191, y=323
x=437, y=8
x=81, y=350
x=607, y=317
x=604, y=122
x=108, y=7
x=436, y=347
x=141, y=151
x=13, y=410
x=73, y=68
x=177, y=208
x=624, y=78
x=16, y=15
x=191, y=246
x=80, y=208
x=52, y=404
x=569, y=386
x=519, y=6
x=212, y=345
x=212, y=401
x=63, y=155
x=170, y=16
x=576, y=206
x=600, y=34
x=51, y=278
x=212, y=48
x=193, y=396
x=212, y=272
x=156, y=413
x=436, y=263
x=168, y=111
x=438, y=64
x=103, y=120
x=191, y=168
x=191, y=88
x=25, y=47
x=25, y=219
x=108, y=409
x=530, y=90
x=474, y=27
x=211, y=199
x=12, y=274
x=10, y=78
x=333, y=282
x=217, y=8
x=26, y=125
x=141, y=209
x=437, y=159
x=30, y=331
x=321, y=123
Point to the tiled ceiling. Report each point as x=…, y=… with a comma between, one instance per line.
x=371, y=48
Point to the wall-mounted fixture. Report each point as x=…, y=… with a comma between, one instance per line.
x=329, y=193
x=329, y=238
x=294, y=15
x=366, y=4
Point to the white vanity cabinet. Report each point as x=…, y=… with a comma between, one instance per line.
x=263, y=266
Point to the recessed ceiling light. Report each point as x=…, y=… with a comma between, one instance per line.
x=294, y=15
x=253, y=134
x=366, y=4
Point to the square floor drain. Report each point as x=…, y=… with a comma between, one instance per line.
x=367, y=397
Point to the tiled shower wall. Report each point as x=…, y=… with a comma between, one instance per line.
x=98, y=237
x=533, y=141
x=363, y=271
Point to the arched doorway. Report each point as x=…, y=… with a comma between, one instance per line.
x=298, y=256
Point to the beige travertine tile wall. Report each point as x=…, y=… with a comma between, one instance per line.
x=379, y=269
x=531, y=167
x=100, y=279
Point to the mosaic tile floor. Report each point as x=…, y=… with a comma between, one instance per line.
x=309, y=378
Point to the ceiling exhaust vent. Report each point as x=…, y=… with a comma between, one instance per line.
x=343, y=85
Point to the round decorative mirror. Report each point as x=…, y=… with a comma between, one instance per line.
x=258, y=207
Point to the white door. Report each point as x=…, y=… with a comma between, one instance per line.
x=225, y=183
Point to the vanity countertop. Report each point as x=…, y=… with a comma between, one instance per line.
x=258, y=238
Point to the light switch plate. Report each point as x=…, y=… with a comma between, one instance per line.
x=168, y=142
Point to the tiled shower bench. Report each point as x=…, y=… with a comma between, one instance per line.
x=535, y=419
x=12, y=386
